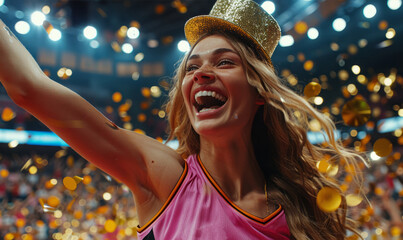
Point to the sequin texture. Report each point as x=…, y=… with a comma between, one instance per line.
x=244, y=18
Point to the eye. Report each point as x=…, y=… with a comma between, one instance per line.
x=191, y=68
x=225, y=62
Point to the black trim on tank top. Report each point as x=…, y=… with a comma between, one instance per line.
x=150, y=235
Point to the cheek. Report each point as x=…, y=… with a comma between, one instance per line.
x=186, y=88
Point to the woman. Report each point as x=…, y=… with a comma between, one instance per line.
x=249, y=171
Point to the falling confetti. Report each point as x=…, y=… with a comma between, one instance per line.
x=356, y=112
x=4, y=173
x=353, y=200
x=117, y=97
x=383, y=147
x=71, y=182
x=312, y=89
x=328, y=199
x=332, y=170
x=323, y=166
x=53, y=201
x=7, y=114
x=110, y=226
x=46, y=208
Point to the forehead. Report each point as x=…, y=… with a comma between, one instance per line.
x=211, y=43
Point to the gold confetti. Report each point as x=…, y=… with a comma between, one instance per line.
x=353, y=200
x=70, y=205
x=395, y=231
x=323, y=166
x=356, y=112
x=71, y=182
x=110, y=226
x=70, y=161
x=125, y=106
x=61, y=153
x=159, y=9
x=353, y=237
x=53, y=201
x=328, y=199
x=137, y=130
x=89, y=215
x=383, y=147
x=49, y=184
x=379, y=191
x=117, y=97
x=312, y=89
x=27, y=236
x=87, y=179
x=141, y=117
x=383, y=25
x=7, y=114
x=145, y=105
x=4, y=173
x=109, y=109
x=20, y=222
x=301, y=27
x=146, y=92
x=332, y=170
x=9, y=236
x=45, y=207
x=308, y=65
x=33, y=170
x=78, y=215
x=48, y=26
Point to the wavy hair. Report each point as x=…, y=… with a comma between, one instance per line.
x=286, y=157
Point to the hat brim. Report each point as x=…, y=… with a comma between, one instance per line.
x=198, y=26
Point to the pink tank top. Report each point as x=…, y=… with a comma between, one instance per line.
x=198, y=209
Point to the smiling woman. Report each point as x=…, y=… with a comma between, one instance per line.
x=249, y=173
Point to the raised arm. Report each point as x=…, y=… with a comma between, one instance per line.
x=146, y=166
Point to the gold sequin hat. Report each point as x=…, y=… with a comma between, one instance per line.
x=245, y=18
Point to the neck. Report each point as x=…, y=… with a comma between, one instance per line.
x=233, y=165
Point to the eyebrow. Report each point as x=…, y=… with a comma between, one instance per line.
x=215, y=52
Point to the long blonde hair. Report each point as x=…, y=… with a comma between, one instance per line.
x=286, y=157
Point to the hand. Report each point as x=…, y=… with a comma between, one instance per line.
x=17, y=66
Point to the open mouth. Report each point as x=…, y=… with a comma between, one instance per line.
x=208, y=100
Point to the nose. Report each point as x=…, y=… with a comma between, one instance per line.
x=202, y=76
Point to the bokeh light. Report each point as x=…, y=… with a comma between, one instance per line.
x=183, y=46
x=369, y=11
x=269, y=7
x=46, y=9
x=22, y=27
x=286, y=41
x=313, y=33
x=127, y=48
x=55, y=35
x=37, y=18
x=139, y=57
x=152, y=43
x=339, y=24
x=90, y=32
x=394, y=4
x=133, y=33
x=390, y=33
x=356, y=69
x=94, y=44
x=301, y=27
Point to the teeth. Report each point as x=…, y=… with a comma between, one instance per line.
x=211, y=94
x=206, y=109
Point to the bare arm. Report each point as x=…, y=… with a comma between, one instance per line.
x=146, y=166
